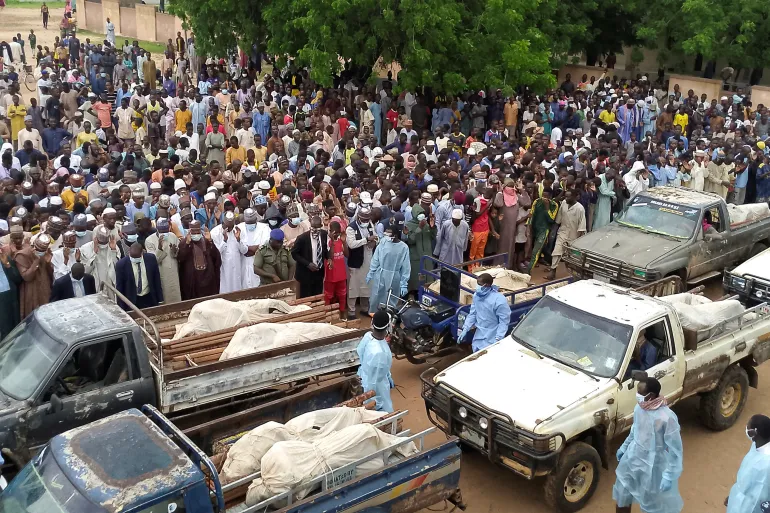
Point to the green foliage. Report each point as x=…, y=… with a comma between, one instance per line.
x=735, y=31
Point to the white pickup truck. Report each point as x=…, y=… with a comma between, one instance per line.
x=548, y=399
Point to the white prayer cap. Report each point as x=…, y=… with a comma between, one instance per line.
x=55, y=200
x=457, y=214
x=211, y=188
x=179, y=184
x=365, y=197
x=346, y=190
x=430, y=143
x=508, y=155
x=432, y=188
x=229, y=216
x=219, y=185
x=264, y=185
x=108, y=211
x=209, y=196
x=154, y=186
x=90, y=217
x=327, y=178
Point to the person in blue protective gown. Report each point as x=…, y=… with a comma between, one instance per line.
x=751, y=491
x=389, y=270
x=651, y=457
x=376, y=361
x=490, y=314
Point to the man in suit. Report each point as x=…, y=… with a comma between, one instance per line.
x=137, y=277
x=75, y=283
x=310, y=251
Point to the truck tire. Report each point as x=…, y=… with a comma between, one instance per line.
x=575, y=478
x=720, y=408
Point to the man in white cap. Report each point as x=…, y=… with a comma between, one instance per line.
x=164, y=245
x=452, y=239
x=698, y=170
x=34, y=264
x=251, y=234
x=429, y=152
x=361, y=240
x=102, y=183
x=223, y=237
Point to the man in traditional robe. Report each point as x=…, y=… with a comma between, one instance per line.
x=100, y=256
x=199, y=263
x=251, y=234
x=229, y=249
x=34, y=264
x=164, y=245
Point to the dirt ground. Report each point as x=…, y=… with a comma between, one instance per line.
x=17, y=20
x=710, y=463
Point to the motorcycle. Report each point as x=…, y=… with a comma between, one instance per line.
x=420, y=332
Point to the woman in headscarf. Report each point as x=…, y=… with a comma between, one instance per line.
x=508, y=225
x=542, y=217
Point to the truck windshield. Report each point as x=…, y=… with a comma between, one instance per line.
x=26, y=356
x=573, y=337
x=655, y=216
x=41, y=487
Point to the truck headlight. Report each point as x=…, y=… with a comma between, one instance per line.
x=483, y=423
x=575, y=253
x=462, y=412
x=737, y=282
x=640, y=273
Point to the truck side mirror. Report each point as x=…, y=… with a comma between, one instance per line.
x=638, y=375
x=55, y=405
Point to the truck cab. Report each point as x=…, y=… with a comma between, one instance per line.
x=68, y=363
x=548, y=399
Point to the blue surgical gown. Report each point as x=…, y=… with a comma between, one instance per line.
x=752, y=486
x=652, y=452
x=388, y=271
x=490, y=314
x=376, y=360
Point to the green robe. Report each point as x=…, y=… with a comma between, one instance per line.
x=9, y=300
x=420, y=242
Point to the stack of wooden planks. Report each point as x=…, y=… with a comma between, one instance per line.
x=195, y=350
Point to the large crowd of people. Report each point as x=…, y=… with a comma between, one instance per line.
x=230, y=178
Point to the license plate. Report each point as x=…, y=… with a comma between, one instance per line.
x=427, y=300
x=601, y=277
x=472, y=437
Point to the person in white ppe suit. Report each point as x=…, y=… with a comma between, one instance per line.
x=638, y=179
x=376, y=361
x=751, y=491
x=651, y=457
x=389, y=270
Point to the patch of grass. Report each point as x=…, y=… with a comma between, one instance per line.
x=34, y=5
x=150, y=46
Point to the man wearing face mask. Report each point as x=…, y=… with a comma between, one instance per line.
x=34, y=265
x=128, y=236
x=199, y=263
x=164, y=245
x=452, y=238
x=80, y=226
x=223, y=237
x=75, y=193
x=138, y=278
x=489, y=315
x=751, y=490
x=361, y=241
x=420, y=236
x=102, y=183
x=100, y=256
x=294, y=225
x=76, y=283
x=66, y=256
x=310, y=251
x=26, y=194
x=259, y=204
x=273, y=262
x=376, y=361
x=251, y=235
x=650, y=460
x=389, y=270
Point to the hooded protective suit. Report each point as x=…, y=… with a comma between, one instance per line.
x=752, y=486
x=490, y=314
x=376, y=360
x=389, y=271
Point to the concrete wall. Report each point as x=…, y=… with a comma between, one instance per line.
x=577, y=71
x=760, y=95
x=138, y=21
x=145, y=22
x=712, y=88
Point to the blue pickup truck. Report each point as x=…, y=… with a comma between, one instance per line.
x=428, y=328
x=139, y=462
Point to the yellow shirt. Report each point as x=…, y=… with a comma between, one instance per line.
x=16, y=115
x=260, y=154
x=681, y=120
x=84, y=137
x=235, y=154
x=607, y=117
x=182, y=117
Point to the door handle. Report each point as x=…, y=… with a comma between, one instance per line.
x=124, y=395
x=660, y=374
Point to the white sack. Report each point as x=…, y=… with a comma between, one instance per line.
x=265, y=336
x=701, y=316
x=747, y=213
x=686, y=298
x=217, y=314
x=290, y=465
x=245, y=455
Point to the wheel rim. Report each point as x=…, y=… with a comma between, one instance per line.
x=579, y=481
x=731, y=398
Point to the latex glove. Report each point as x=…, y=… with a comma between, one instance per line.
x=461, y=337
x=665, y=485
x=403, y=291
x=620, y=454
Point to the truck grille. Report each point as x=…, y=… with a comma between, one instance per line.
x=760, y=289
x=607, y=267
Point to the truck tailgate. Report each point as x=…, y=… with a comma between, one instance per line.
x=209, y=383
